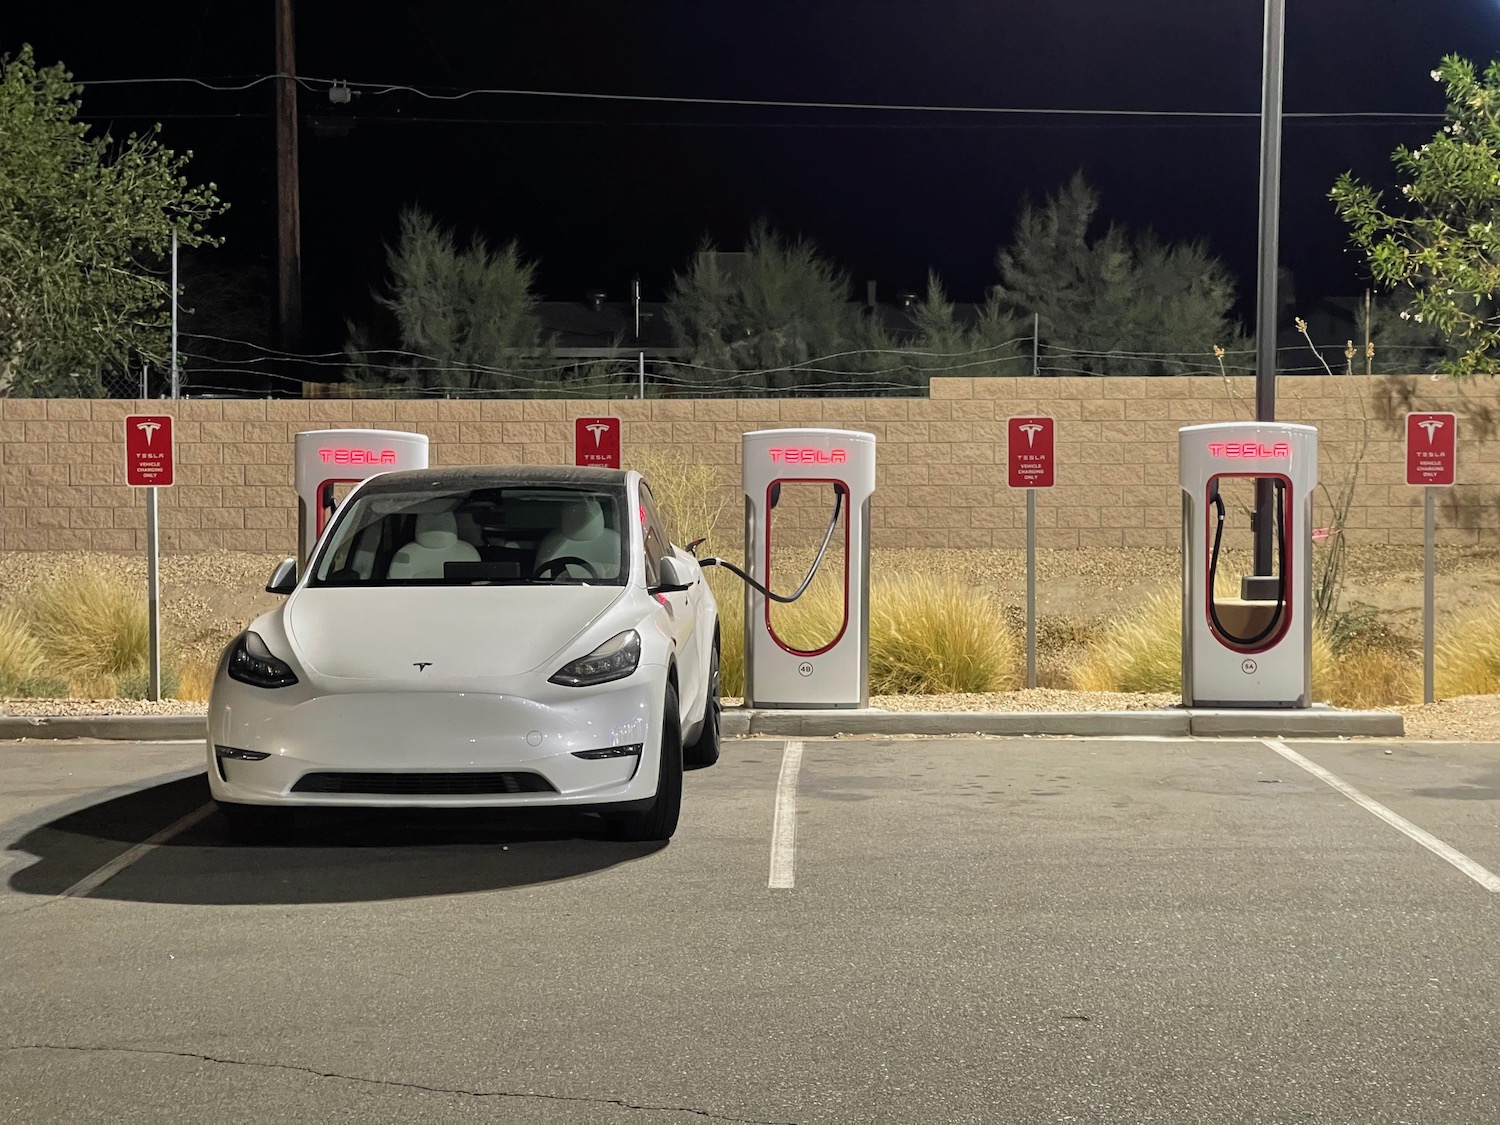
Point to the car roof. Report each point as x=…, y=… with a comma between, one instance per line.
x=495, y=476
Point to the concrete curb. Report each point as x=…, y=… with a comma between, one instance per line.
x=129, y=728
x=1318, y=722
x=824, y=724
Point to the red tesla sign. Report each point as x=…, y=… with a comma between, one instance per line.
x=1431, y=448
x=596, y=442
x=1029, y=447
x=148, y=450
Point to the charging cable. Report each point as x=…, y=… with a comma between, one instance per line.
x=838, y=506
x=1213, y=572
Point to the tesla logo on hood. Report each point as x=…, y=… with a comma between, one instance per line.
x=422, y=665
x=358, y=456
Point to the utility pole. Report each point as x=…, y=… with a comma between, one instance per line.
x=288, y=204
x=1270, y=241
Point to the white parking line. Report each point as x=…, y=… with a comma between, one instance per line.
x=784, y=826
x=1481, y=875
x=89, y=883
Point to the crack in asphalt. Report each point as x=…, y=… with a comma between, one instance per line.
x=619, y=1102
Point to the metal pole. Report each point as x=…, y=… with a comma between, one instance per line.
x=643, y=374
x=1429, y=569
x=145, y=380
x=1031, y=587
x=1368, y=356
x=175, y=384
x=1036, y=332
x=288, y=202
x=1270, y=240
x=635, y=290
x=153, y=600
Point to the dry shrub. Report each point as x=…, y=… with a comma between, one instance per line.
x=92, y=628
x=927, y=635
x=21, y=658
x=93, y=686
x=692, y=496
x=1142, y=652
x=1371, y=677
x=729, y=592
x=195, y=676
x=933, y=635
x=1467, y=659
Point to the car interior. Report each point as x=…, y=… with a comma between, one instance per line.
x=487, y=536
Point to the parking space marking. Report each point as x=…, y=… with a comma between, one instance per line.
x=89, y=883
x=1480, y=874
x=784, y=825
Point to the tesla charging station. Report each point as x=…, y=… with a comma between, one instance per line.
x=1253, y=650
x=835, y=674
x=326, y=459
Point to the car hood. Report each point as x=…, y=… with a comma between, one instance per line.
x=463, y=633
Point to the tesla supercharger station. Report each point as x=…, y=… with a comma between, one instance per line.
x=836, y=674
x=326, y=459
x=1253, y=649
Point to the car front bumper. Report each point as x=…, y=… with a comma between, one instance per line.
x=427, y=749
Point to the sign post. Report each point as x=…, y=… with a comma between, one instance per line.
x=1431, y=463
x=596, y=442
x=150, y=464
x=1030, y=441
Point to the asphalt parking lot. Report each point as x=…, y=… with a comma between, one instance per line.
x=910, y=930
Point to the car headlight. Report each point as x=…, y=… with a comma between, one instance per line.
x=615, y=659
x=251, y=662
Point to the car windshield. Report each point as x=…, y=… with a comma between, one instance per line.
x=483, y=536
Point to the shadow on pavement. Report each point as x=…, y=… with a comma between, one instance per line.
x=339, y=855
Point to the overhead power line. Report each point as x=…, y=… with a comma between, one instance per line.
x=452, y=94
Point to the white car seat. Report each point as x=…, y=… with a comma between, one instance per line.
x=437, y=543
x=581, y=533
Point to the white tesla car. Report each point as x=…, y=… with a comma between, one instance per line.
x=502, y=637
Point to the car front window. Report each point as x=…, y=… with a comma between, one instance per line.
x=506, y=535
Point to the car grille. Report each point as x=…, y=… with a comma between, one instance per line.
x=423, y=784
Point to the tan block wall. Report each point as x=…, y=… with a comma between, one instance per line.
x=941, y=459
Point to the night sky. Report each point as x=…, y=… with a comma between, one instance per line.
x=600, y=191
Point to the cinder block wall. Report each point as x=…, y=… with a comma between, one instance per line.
x=941, y=459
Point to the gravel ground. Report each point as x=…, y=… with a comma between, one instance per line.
x=207, y=598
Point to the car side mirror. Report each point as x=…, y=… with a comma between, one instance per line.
x=676, y=576
x=283, y=578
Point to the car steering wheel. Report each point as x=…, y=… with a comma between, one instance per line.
x=555, y=566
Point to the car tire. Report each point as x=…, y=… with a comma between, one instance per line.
x=256, y=824
x=704, y=750
x=659, y=820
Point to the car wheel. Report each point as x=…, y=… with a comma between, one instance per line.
x=256, y=824
x=659, y=821
x=705, y=748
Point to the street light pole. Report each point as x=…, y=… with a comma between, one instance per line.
x=1266, y=263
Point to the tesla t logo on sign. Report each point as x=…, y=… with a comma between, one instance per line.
x=1029, y=450
x=148, y=450
x=596, y=441
x=1431, y=449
